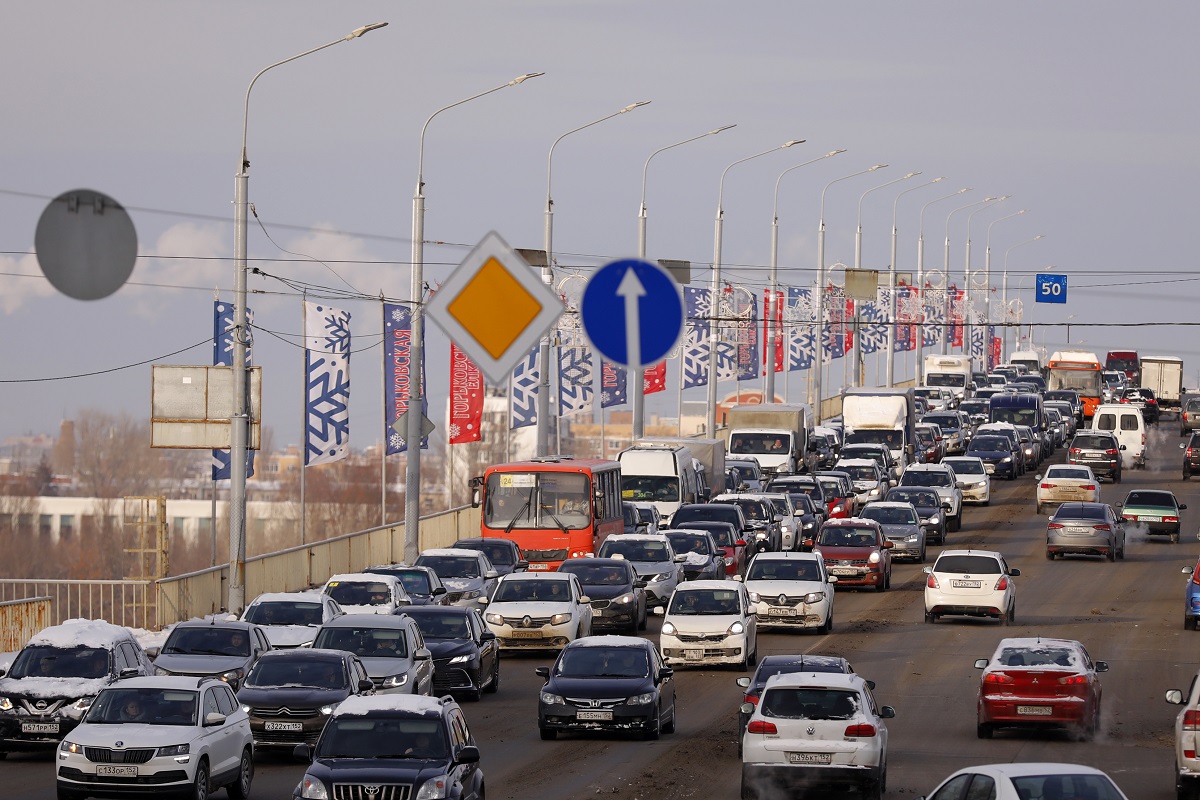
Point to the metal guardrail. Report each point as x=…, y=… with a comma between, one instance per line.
x=21, y=619
x=121, y=602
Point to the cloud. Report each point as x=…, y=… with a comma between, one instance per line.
x=25, y=282
x=187, y=257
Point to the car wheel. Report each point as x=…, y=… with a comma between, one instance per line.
x=1049, y=556
x=670, y=726
x=881, y=586
x=983, y=730
x=240, y=788
x=921, y=558
x=1121, y=552
x=200, y=782
x=930, y=617
x=1175, y=537
x=547, y=734
x=1185, y=788
x=1111, y=555
x=827, y=625
x=1038, y=508
x=653, y=730
x=494, y=684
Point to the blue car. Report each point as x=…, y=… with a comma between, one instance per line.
x=997, y=455
x=1191, y=602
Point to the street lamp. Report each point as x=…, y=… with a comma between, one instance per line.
x=773, y=332
x=987, y=273
x=919, y=367
x=635, y=373
x=412, y=436
x=1004, y=290
x=820, y=351
x=892, y=315
x=239, y=423
x=543, y=396
x=946, y=268
x=968, y=307
x=711, y=420
x=858, y=353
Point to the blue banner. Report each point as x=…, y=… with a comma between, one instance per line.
x=327, y=384
x=223, y=357
x=397, y=379
x=696, y=332
x=523, y=391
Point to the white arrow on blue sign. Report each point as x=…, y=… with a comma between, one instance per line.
x=632, y=312
x=1050, y=288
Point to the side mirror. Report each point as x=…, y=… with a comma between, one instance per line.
x=832, y=579
x=946, y=505
x=743, y=681
x=521, y=566
x=214, y=719
x=746, y=708
x=1101, y=666
x=1175, y=697
x=302, y=753
x=441, y=590
x=542, y=672
x=887, y=712
x=483, y=601
x=1014, y=573
x=981, y=663
x=738, y=578
x=1182, y=446
x=1123, y=447
x=659, y=610
x=665, y=672
x=128, y=672
x=422, y=654
x=476, y=498
x=1182, y=506
x=487, y=636
x=467, y=754
x=927, y=570
x=585, y=599
x=1185, y=571
x=491, y=574
x=889, y=544
x=740, y=543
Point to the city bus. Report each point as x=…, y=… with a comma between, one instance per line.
x=1080, y=371
x=554, y=508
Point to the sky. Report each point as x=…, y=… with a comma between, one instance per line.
x=1082, y=112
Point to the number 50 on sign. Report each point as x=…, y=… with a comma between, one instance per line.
x=1050, y=288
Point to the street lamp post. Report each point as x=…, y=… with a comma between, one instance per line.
x=412, y=435
x=543, y=396
x=892, y=315
x=987, y=279
x=919, y=366
x=710, y=429
x=239, y=423
x=858, y=353
x=636, y=373
x=1004, y=291
x=773, y=332
x=946, y=269
x=819, y=356
x=967, y=306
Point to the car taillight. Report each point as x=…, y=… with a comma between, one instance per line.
x=752, y=699
x=1191, y=720
x=1170, y=519
x=1191, y=452
x=1054, y=526
x=862, y=729
x=998, y=678
x=1002, y=584
x=931, y=582
x=1090, y=487
x=1074, y=680
x=761, y=726
x=1048, y=486
x=1129, y=517
x=1101, y=528
x=1112, y=452
x=1075, y=451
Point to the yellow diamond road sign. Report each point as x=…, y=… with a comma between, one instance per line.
x=495, y=307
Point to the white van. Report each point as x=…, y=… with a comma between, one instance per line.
x=662, y=474
x=1126, y=422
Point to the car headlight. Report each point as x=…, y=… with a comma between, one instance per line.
x=395, y=681
x=912, y=537
x=814, y=597
x=245, y=708
x=668, y=629
x=329, y=709
x=233, y=675
x=658, y=577
x=626, y=599
x=69, y=747
x=460, y=659
x=175, y=750
x=641, y=699
x=873, y=558
x=836, y=510
x=552, y=699
x=935, y=519
x=1028, y=451
x=82, y=704
x=470, y=595
x=159, y=671
x=1006, y=459
x=875, y=490
x=560, y=619
x=736, y=628
x=434, y=788
x=312, y=789
x=495, y=619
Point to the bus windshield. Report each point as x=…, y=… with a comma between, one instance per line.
x=1016, y=416
x=537, y=500
x=1085, y=381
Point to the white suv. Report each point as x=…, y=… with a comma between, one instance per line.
x=815, y=730
x=1187, y=736
x=177, y=734
x=942, y=478
x=972, y=583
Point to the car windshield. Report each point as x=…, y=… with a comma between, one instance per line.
x=284, y=612
x=705, y=601
x=1039, y=655
x=983, y=444
x=968, y=565
x=597, y=574
x=748, y=469
x=499, y=554
x=890, y=515
x=532, y=591
x=1157, y=499
x=751, y=509
x=1075, y=473
x=415, y=581
x=844, y=536
x=790, y=702
x=860, y=473
x=1015, y=415
x=893, y=439
x=1073, y=511
x=914, y=496
x=832, y=486
x=1093, y=787
x=798, y=487
x=758, y=443
x=359, y=593
x=45, y=661
x=451, y=566
x=1092, y=442
x=664, y=488
x=545, y=500
x=591, y=661
x=974, y=406
x=689, y=543
x=323, y=673
x=925, y=477
x=635, y=550
x=377, y=737
x=443, y=626
x=971, y=467
x=207, y=640
x=944, y=421
x=143, y=706
x=783, y=569
x=364, y=642
x=723, y=536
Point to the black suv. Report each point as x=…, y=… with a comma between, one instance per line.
x=412, y=745
x=1099, y=450
x=505, y=554
x=1191, y=456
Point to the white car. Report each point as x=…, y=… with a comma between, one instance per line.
x=1022, y=780
x=1187, y=739
x=538, y=610
x=1066, y=483
x=366, y=593
x=291, y=619
x=815, y=731
x=942, y=478
x=176, y=734
x=972, y=583
x=973, y=478
x=870, y=482
x=791, y=590
x=710, y=622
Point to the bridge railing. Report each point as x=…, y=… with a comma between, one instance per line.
x=121, y=602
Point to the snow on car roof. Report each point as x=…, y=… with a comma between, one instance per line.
x=609, y=641
x=365, y=704
x=81, y=633
x=838, y=680
x=551, y=576
x=636, y=537
x=360, y=577
x=287, y=597
x=856, y=462
x=450, y=551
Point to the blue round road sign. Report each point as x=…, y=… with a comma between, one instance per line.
x=632, y=312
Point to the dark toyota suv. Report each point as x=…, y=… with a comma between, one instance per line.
x=1099, y=450
x=411, y=745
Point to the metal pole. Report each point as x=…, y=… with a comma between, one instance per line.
x=892, y=315
x=946, y=271
x=987, y=281
x=967, y=307
x=1004, y=294
x=919, y=364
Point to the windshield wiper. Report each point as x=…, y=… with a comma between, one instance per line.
x=561, y=527
x=528, y=501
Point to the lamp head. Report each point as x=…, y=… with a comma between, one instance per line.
x=910, y=175
x=833, y=153
x=633, y=106
x=937, y=180
x=722, y=128
x=357, y=32
x=524, y=78
x=877, y=166
x=792, y=142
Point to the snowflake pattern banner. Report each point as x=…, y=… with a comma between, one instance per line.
x=695, y=336
x=523, y=391
x=327, y=384
x=223, y=357
x=574, y=380
x=613, y=385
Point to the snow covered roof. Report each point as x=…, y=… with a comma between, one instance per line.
x=609, y=641
x=364, y=704
x=288, y=597
x=81, y=633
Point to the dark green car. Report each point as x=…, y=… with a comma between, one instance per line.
x=1155, y=508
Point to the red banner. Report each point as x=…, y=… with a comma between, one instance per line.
x=996, y=342
x=956, y=317
x=466, y=399
x=655, y=378
x=849, y=328
x=773, y=310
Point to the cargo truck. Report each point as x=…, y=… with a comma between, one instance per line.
x=949, y=372
x=669, y=471
x=776, y=434
x=882, y=416
x=1164, y=375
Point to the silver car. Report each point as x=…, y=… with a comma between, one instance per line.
x=901, y=525
x=1092, y=529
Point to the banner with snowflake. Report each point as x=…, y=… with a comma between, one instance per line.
x=934, y=304
x=223, y=357
x=523, y=391
x=466, y=399
x=327, y=384
x=908, y=316
x=800, y=316
x=873, y=325
x=979, y=343
x=397, y=378
x=836, y=336
x=655, y=378
x=747, y=336
x=574, y=380
x=695, y=336
x=613, y=383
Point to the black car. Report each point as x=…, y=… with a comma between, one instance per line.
x=1144, y=399
x=721, y=512
x=409, y=746
x=811, y=517
x=804, y=484
x=609, y=683
x=928, y=504
x=466, y=655
x=224, y=649
x=1191, y=456
x=782, y=665
x=618, y=602
x=1069, y=395
x=1099, y=450
x=289, y=694
x=505, y=554
x=421, y=584
x=702, y=559
x=997, y=454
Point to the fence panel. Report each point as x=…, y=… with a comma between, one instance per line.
x=21, y=619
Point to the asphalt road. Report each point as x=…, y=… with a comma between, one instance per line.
x=1126, y=613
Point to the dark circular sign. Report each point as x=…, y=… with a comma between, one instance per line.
x=86, y=244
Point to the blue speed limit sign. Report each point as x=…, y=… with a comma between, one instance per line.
x=1050, y=288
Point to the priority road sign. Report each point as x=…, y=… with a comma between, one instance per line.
x=1050, y=288
x=632, y=312
x=495, y=307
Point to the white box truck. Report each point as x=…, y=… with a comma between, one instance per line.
x=949, y=372
x=882, y=416
x=665, y=473
x=777, y=434
x=1164, y=374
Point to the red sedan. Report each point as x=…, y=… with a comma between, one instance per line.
x=857, y=552
x=1039, y=682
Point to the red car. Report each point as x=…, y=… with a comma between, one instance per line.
x=931, y=443
x=857, y=552
x=1037, y=683
x=839, y=487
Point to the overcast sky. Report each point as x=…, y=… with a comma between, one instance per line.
x=1084, y=112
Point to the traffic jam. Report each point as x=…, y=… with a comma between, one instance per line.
x=602, y=604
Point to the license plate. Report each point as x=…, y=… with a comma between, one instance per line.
x=117, y=771
x=525, y=635
x=1035, y=711
x=843, y=571
x=39, y=727
x=1144, y=518
x=284, y=726
x=1078, y=531
x=537, y=565
x=810, y=758
x=966, y=584
x=781, y=612
x=693, y=655
x=598, y=716
x=990, y=468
